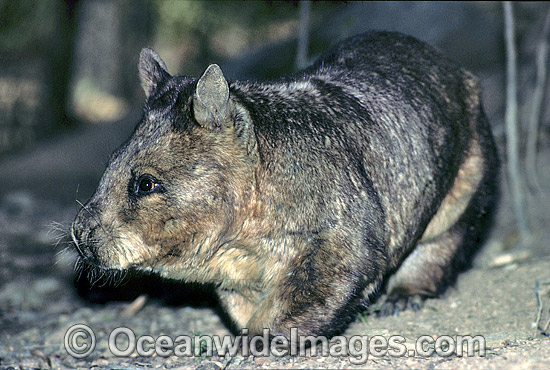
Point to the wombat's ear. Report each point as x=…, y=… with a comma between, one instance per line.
x=152, y=70
x=211, y=98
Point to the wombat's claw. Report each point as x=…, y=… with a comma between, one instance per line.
x=396, y=303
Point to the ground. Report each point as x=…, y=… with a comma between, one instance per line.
x=39, y=300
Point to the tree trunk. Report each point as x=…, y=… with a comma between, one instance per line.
x=511, y=122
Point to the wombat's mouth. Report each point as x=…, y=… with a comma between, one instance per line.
x=89, y=261
x=98, y=274
x=88, y=250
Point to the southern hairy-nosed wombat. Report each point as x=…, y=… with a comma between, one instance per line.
x=297, y=198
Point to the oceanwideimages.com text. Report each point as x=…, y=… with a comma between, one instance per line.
x=80, y=342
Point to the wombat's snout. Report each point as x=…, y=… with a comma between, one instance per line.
x=82, y=231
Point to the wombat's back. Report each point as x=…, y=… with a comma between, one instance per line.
x=382, y=110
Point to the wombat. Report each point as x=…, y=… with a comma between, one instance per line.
x=298, y=199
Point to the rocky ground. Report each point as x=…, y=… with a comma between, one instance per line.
x=40, y=301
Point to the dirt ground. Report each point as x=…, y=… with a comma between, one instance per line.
x=39, y=300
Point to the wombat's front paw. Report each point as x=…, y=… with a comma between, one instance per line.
x=397, y=302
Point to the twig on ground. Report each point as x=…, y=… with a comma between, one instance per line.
x=540, y=309
x=135, y=306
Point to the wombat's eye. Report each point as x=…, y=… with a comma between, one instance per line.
x=146, y=185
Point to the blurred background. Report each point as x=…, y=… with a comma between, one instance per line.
x=73, y=62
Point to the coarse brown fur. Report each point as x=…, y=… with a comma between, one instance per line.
x=299, y=198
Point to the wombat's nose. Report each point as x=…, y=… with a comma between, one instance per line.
x=76, y=235
x=82, y=231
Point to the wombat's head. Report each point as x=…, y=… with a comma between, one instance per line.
x=171, y=195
